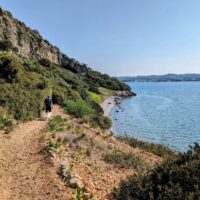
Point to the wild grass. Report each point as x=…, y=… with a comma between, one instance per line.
x=125, y=160
x=79, y=193
x=54, y=144
x=57, y=124
x=98, y=98
x=106, y=91
x=156, y=149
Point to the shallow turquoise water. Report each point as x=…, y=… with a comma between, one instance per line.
x=167, y=113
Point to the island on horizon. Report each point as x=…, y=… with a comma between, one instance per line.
x=160, y=78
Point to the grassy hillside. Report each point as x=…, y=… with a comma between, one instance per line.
x=26, y=83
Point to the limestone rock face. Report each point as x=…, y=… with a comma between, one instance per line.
x=30, y=43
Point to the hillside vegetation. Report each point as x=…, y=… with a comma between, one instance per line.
x=177, y=178
x=31, y=69
x=88, y=160
x=26, y=83
x=91, y=161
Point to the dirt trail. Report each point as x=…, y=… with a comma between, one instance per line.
x=24, y=172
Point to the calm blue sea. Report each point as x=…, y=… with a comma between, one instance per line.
x=167, y=113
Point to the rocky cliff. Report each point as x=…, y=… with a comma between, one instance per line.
x=30, y=44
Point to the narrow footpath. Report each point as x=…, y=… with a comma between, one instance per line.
x=25, y=174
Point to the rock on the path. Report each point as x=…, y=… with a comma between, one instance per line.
x=75, y=182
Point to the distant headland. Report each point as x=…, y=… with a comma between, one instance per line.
x=161, y=78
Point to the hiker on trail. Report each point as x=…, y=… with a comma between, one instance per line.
x=48, y=104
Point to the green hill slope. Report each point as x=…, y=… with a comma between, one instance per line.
x=31, y=69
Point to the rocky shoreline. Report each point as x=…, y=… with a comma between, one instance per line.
x=111, y=101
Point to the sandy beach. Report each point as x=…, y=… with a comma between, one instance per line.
x=108, y=104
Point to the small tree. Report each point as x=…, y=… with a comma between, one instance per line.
x=45, y=62
x=6, y=45
x=10, y=68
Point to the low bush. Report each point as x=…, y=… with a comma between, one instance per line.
x=21, y=93
x=6, y=45
x=57, y=124
x=177, y=178
x=100, y=121
x=103, y=80
x=54, y=144
x=97, y=107
x=156, y=149
x=10, y=67
x=45, y=62
x=78, y=108
x=125, y=160
x=6, y=121
x=22, y=103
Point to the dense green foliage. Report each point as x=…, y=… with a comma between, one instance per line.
x=78, y=108
x=26, y=83
x=10, y=68
x=177, y=178
x=156, y=149
x=21, y=93
x=98, y=98
x=96, y=79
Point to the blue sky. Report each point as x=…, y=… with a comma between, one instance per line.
x=119, y=37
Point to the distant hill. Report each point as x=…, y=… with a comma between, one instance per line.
x=161, y=78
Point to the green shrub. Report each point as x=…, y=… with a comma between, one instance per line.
x=24, y=104
x=99, y=121
x=156, y=149
x=97, y=107
x=45, y=62
x=10, y=67
x=54, y=144
x=6, y=45
x=58, y=95
x=6, y=121
x=124, y=160
x=103, y=80
x=79, y=194
x=78, y=108
x=177, y=178
x=21, y=93
x=94, y=88
x=57, y=124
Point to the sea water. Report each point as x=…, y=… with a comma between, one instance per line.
x=167, y=113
